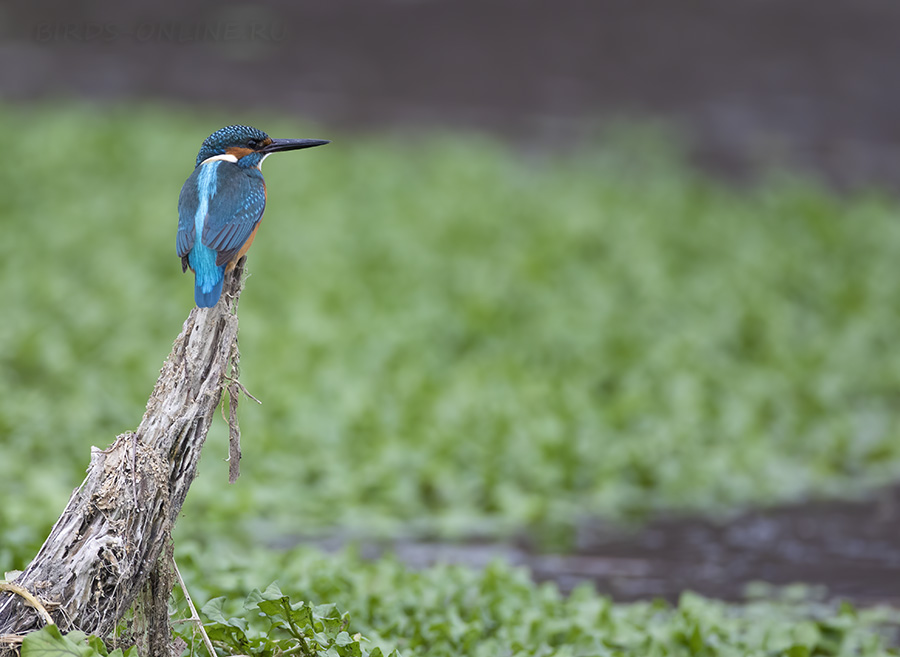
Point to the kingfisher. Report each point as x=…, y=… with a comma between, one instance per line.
x=222, y=203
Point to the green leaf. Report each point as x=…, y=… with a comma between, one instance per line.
x=97, y=644
x=272, y=592
x=328, y=610
x=50, y=642
x=131, y=652
x=302, y=615
x=238, y=623
x=214, y=610
x=280, y=607
x=253, y=599
x=797, y=650
x=696, y=640
x=231, y=634
x=347, y=646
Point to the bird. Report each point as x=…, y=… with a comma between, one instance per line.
x=222, y=203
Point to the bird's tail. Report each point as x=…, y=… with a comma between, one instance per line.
x=208, y=276
x=208, y=299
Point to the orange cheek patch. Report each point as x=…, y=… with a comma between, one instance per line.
x=238, y=152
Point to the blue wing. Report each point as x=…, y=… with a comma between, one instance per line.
x=234, y=211
x=235, y=198
x=188, y=202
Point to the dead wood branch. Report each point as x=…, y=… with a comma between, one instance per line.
x=106, y=544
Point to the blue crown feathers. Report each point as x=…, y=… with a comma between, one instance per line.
x=231, y=135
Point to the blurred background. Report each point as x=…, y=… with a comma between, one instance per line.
x=805, y=84
x=607, y=289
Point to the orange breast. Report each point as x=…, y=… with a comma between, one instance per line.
x=244, y=249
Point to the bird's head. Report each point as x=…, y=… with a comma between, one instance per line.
x=248, y=146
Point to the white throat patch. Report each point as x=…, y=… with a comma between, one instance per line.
x=228, y=157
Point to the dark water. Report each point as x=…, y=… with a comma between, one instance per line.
x=852, y=549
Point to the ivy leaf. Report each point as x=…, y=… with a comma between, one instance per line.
x=696, y=641
x=50, y=642
x=214, y=610
x=97, y=644
x=272, y=592
x=277, y=608
x=229, y=634
x=347, y=646
x=797, y=650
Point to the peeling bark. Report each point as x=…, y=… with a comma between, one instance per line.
x=105, y=545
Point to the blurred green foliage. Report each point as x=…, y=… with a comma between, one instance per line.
x=447, y=335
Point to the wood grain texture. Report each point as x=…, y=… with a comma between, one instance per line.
x=105, y=545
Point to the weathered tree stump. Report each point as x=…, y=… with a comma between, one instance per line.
x=107, y=542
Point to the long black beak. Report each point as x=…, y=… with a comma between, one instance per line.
x=278, y=145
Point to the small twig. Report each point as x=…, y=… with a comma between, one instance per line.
x=243, y=388
x=195, y=617
x=234, y=429
x=32, y=600
x=234, y=436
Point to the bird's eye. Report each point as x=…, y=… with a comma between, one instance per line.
x=253, y=143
